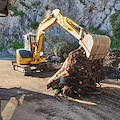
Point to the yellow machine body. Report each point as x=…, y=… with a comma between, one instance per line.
x=24, y=57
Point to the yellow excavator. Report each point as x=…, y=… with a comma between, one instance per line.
x=96, y=46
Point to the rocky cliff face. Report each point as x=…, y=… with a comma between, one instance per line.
x=24, y=16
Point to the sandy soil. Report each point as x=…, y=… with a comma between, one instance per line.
x=26, y=98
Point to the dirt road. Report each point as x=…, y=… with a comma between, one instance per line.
x=26, y=98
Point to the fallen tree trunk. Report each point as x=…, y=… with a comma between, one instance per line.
x=78, y=75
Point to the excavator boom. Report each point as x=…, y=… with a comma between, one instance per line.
x=96, y=46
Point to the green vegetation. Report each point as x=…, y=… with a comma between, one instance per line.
x=46, y=7
x=116, y=28
x=34, y=25
x=16, y=12
x=2, y=47
x=74, y=46
x=35, y=4
x=23, y=4
x=115, y=22
x=62, y=49
x=96, y=31
x=82, y=2
x=21, y=13
x=13, y=8
x=113, y=18
x=115, y=44
x=16, y=45
x=115, y=91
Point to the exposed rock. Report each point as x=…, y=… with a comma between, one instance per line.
x=84, y=12
x=117, y=5
x=11, y=51
x=4, y=53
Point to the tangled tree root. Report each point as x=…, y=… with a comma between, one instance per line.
x=78, y=75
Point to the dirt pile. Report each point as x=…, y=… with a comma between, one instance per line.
x=112, y=64
x=78, y=75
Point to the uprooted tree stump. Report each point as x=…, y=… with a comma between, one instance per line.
x=78, y=75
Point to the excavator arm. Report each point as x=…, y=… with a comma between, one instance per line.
x=43, y=26
x=96, y=46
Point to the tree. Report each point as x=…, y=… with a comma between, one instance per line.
x=115, y=22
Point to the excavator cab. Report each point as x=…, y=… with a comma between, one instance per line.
x=25, y=55
x=29, y=42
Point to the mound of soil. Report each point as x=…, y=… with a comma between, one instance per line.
x=112, y=64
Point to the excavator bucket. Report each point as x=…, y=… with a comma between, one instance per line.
x=96, y=46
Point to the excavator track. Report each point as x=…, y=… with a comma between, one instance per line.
x=27, y=70
x=23, y=69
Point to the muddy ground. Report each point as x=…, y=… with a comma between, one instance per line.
x=26, y=98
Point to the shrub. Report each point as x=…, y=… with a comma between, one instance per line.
x=1, y=48
x=23, y=4
x=74, y=46
x=34, y=25
x=113, y=18
x=35, y=4
x=115, y=22
x=96, y=31
x=16, y=45
x=16, y=12
x=46, y=7
x=82, y=2
x=116, y=28
x=114, y=43
x=62, y=49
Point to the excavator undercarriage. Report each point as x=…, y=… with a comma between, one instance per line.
x=27, y=70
